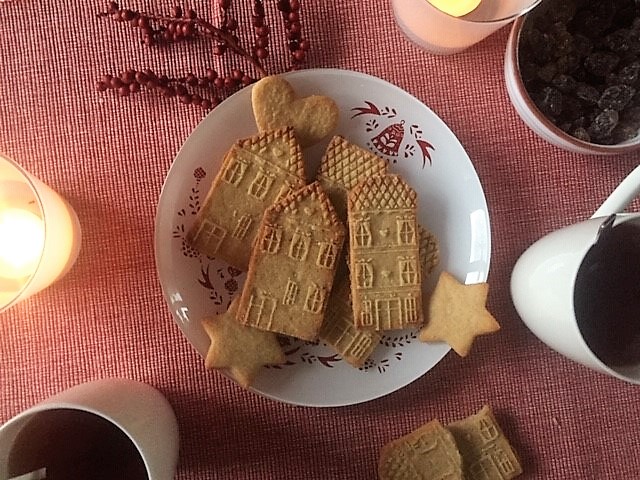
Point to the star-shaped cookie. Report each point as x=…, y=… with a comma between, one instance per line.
x=456, y=314
x=241, y=350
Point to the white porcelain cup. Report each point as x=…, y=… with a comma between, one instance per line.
x=547, y=278
x=80, y=432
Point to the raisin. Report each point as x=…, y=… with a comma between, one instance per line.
x=550, y=101
x=603, y=124
x=562, y=11
x=587, y=93
x=582, y=45
x=581, y=134
x=618, y=41
x=601, y=64
x=562, y=40
x=631, y=116
x=547, y=72
x=629, y=74
x=623, y=132
x=616, y=97
x=540, y=45
x=564, y=83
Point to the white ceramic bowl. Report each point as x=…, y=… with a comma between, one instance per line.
x=535, y=119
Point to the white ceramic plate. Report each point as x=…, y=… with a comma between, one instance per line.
x=417, y=144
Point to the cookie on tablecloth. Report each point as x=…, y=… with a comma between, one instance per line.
x=486, y=452
x=427, y=453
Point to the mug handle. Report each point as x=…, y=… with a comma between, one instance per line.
x=622, y=196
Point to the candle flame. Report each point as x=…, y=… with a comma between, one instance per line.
x=21, y=242
x=455, y=8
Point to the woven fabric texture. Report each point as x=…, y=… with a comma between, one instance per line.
x=108, y=156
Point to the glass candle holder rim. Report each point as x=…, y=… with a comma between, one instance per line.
x=467, y=19
x=26, y=177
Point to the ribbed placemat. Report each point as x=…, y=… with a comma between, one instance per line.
x=109, y=156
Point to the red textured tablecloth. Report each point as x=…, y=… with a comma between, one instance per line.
x=109, y=156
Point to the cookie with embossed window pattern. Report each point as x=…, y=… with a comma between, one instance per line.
x=255, y=173
x=486, y=452
x=384, y=256
x=293, y=265
x=338, y=331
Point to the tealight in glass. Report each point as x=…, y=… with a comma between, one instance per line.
x=444, y=27
x=39, y=234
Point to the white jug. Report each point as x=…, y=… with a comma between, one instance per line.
x=544, y=280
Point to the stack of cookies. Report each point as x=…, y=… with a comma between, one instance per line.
x=340, y=257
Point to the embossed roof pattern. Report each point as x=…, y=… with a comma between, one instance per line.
x=382, y=192
x=279, y=147
x=315, y=192
x=347, y=164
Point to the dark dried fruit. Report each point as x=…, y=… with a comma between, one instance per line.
x=623, y=132
x=603, y=124
x=581, y=65
x=581, y=134
x=550, y=101
x=601, y=64
x=616, y=97
x=588, y=94
x=629, y=74
x=565, y=83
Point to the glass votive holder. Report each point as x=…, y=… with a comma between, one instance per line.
x=39, y=234
x=449, y=28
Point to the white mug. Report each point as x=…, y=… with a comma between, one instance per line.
x=557, y=293
x=88, y=426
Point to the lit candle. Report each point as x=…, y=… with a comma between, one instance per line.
x=455, y=8
x=443, y=27
x=21, y=242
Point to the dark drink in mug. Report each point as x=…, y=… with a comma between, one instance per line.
x=607, y=295
x=73, y=444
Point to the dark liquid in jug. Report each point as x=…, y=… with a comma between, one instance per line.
x=607, y=296
x=75, y=445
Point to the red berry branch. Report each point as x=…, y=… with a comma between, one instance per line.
x=209, y=88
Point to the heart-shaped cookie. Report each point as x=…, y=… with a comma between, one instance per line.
x=275, y=105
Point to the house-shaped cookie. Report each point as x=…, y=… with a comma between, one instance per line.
x=293, y=264
x=384, y=260
x=338, y=330
x=355, y=345
x=485, y=449
x=255, y=173
x=342, y=167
